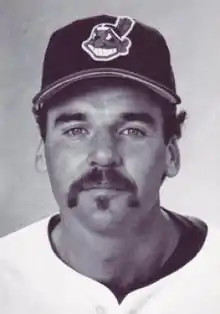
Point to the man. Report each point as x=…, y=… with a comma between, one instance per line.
x=107, y=113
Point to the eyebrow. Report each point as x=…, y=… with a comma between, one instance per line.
x=139, y=116
x=67, y=117
x=125, y=117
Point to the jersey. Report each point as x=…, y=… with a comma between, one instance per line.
x=34, y=280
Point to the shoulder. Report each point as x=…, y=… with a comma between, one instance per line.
x=210, y=248
x=23, y=257
x=33, y=228
x=21, y=244
x=196, y=286
x=208, y=255
x=204, y=267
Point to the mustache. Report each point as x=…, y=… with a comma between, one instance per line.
x=97, y=178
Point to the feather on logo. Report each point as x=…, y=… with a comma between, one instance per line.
x=109, y=41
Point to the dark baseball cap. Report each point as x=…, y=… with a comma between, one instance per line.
x=107, y=46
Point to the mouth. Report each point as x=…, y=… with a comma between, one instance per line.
x=102, y=52
x=104, y=187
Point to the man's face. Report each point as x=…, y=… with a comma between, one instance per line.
x=106, y=157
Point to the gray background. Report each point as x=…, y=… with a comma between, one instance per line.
x=192, y=29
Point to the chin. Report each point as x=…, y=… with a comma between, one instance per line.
x=102, y=213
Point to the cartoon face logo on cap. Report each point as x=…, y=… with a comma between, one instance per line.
x=109, y=41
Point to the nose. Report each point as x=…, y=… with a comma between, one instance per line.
x=104, y=151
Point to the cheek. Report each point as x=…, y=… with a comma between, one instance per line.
x=65, y=164
x=146, y=164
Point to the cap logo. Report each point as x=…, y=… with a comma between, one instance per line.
x=109, y=41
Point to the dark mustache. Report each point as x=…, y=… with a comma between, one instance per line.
x=103, y=178
x=108, y=178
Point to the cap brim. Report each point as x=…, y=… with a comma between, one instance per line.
x=59, y=85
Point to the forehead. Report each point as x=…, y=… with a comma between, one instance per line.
x=103, y=99
x=102, y=28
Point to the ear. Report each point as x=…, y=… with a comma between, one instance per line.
x=172, y=158
x=40, y=161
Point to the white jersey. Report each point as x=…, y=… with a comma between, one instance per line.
x=33, y=280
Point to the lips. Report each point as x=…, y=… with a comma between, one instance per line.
x=106, y=186
x=102, y=52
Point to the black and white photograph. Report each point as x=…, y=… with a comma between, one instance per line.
x=109, y=164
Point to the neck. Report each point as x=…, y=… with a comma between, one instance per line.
x=113, y=261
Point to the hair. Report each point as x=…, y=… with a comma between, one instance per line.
x=173, y=123
x=173, y=120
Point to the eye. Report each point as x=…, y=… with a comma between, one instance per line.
x=95, y=35
x=135, y=132
x=109, y=37
x=76, y=131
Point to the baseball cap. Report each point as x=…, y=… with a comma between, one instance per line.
x=107, y=46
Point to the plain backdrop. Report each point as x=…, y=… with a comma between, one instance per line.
x=192, y=30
